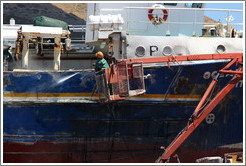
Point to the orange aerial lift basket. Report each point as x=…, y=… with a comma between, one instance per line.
x=121, y=80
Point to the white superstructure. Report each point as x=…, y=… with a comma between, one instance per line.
x=145, y=31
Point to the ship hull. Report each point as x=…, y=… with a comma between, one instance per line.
x=49, y=152
x=56, y=117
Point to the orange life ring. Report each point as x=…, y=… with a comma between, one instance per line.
x=164, y=16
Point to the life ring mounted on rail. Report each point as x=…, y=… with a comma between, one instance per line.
x=156, y=19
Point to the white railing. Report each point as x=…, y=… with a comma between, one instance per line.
x=228, y=24
x=78, y=28
x=194, y=22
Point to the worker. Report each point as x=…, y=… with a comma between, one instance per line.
x=8, y=57
x=101, y=63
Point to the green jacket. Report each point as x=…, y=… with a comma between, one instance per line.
x=101, y=64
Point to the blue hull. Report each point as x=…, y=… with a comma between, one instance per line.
x=59, y=108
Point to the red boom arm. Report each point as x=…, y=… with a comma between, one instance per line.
x=199, y=114
x=197, y=117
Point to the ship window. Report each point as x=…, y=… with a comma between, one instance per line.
x=167, y=51
x=221, y=49
x=170, y=4
x=140, y=51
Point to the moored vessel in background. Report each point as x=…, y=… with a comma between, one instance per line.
x=55, y=115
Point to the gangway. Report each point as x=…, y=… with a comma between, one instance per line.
x=117, y=77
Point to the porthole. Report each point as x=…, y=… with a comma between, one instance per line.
x=167, y=51
x=140, y=51
x=220, y=49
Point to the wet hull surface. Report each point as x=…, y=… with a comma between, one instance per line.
x=125, y=131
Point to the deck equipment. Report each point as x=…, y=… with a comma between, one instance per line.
x=26, y=32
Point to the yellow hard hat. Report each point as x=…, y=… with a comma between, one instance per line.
x=99, y=54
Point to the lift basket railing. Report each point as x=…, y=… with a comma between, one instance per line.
x=121, y=80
